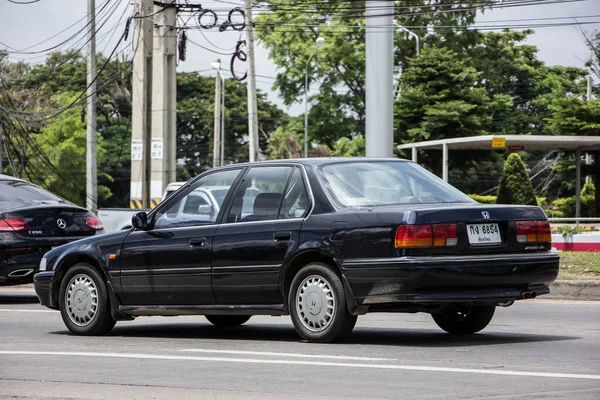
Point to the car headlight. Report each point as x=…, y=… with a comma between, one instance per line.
x=43, y=264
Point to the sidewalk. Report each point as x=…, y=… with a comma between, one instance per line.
x=559, y=290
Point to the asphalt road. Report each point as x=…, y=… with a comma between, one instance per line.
x=534, y=349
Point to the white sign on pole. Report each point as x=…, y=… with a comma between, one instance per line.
x=157, y=148
x=137, y=149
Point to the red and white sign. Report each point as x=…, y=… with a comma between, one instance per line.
x=578, y=242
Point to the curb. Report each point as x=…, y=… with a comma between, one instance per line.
x=574, y=290
x=559, y=290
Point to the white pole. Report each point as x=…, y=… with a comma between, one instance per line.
x=414, y=154
x=588, y=157
x=445, y=162
x=217, y=130
x=306, y=104
x=252, y=106
x=222, y=118
x=577, y=185
x=380, y=79
x=91, y=167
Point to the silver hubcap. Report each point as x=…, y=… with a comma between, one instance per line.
x=81, y=299
x=315, y=303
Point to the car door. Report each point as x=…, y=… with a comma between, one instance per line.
x=170, y=263
x=262, y=227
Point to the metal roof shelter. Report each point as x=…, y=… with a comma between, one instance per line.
x=512, y=143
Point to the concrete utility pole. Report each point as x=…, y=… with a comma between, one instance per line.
x=141, y=104
x=380, y=79
x=217, y=131
x=318, y=43
x=164, y=111
x=1, y=148
x=91, y=167
x=588, y=156
x=252, y=107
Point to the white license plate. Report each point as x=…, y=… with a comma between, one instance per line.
x=482, y=234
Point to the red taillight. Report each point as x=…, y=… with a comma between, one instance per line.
x=411, y=236
x=94, y=223
x=544, y=231
x=414, y=236
x=533, y=231
x=445, y=235
x=12, y=224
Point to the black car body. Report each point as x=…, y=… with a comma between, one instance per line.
x=326, y=240
x=33, y=221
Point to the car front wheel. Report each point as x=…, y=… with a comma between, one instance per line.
x=83, y=301
x=464, y=320
x=317, y=305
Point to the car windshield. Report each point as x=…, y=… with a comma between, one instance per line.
x=385, y=183
x=19, y=190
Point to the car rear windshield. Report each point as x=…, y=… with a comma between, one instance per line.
x=18, y=190
x=385, y=183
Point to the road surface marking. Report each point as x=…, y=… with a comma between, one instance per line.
x=267, y=353
x=298, y=362
x=22, y=311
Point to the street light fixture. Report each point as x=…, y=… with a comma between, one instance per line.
x=318, y=43
x=410, y=34
x=217, y=66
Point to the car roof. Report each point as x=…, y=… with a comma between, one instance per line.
x=10, y=178
x=318, y=161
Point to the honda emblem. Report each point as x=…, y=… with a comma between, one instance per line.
x=485, y=214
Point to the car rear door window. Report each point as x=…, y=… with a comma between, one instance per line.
x=201, y=203
x=260, y=194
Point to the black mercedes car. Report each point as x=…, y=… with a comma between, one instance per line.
x=323, y=240
x=33, y=221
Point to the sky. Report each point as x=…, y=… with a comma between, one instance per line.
x=22, y=26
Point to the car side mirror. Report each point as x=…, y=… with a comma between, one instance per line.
x=206, y=209
x=140, y=221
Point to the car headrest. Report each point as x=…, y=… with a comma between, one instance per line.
x=267, y=204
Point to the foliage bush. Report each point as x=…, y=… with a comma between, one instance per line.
x=515, y=186
x=483, y=199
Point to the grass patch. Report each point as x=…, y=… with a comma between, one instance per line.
x=579, y=265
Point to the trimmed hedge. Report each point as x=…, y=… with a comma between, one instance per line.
x=515, y=186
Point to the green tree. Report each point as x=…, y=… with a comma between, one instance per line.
x=62, y=144
x=195, y=121
x=515, y=186
x=289, y=30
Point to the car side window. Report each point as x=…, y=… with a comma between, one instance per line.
x=260, y=194
x=201, y=203
x=295, y=200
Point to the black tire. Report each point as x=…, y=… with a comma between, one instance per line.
x=340, y=322
x=464, y=320
x=227, y=321
x=86, y=283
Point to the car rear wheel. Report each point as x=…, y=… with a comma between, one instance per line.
x=317, y=305
x=464, y=320
x=227, y=320
x=83, y=301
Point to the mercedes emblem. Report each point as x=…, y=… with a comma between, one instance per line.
x=485, y=214
x=61, y=223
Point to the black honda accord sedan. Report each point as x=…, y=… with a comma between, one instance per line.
x=323, y=240
x=32, y=221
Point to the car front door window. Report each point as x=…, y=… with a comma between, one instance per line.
x=199, y=206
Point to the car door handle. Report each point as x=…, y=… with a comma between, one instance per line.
x=200, y=242
x=282, y=236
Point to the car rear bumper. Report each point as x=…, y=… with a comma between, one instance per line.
x=42, y=282
x=497, y=278
x=17, y=269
